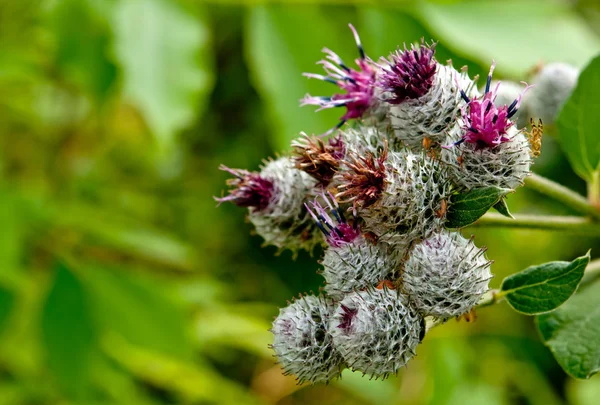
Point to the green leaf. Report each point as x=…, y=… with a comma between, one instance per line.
x=282, y=42
x=572, y=332
x=468, y=207
x=68, y=334
x=139, y=311
x=579, y=121
x=543, y=288
x=502, y=207
x=227, y=328
x=542, y=28
x=7, y=301
x=163, y=50
x=12, y=235
x=82, y=53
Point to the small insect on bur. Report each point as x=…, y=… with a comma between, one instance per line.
x=535, y=137
x=386, y=283
x=470, y=316
x=443, y=209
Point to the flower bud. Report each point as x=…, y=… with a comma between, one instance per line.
x=431, y=107
x=403, y=199
x=554, y=84
x=485, y=147
x=505, y=165
x=275, y=199
x=351, y=262
x=358, y=265
x=302, y=342
x=446, y=275
x=376, y=331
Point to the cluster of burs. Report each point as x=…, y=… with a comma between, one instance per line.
x=375, y=191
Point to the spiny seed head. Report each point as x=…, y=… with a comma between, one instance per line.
x=484, y=124
x=554, y=84
x=285, y=223
x=363, y=179
x=430, y=115
x=358, y=265
x=358, y=84
x=505, y=165
x=411, y=206
x=249, y=189
x=319, y=158
x=408, y=74
x=363, y=139
x=376, y=331
x=446, y=275
x=302, y=342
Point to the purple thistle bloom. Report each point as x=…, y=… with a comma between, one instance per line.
x=485, y=124
x=248, y=189
x=358, y=84
x=409, y=74
x=338, y=232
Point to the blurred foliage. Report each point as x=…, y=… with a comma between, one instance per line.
x=122, y=283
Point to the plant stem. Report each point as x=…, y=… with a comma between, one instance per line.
x=492, y=297
x=594, y=190
x=567, y=196
x=578, y=225
x=489, y=298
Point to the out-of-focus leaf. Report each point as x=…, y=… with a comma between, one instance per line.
x=12, y=233
x=579, y=123
x=69, y=334
x=572, y=333
x=384, y=29
x=517, y=34
x=167, y=70
x=7, y=301
x=282, y=42
x=139, y=311
x=355, y=383
x=130, y=237
x=197, y=383
x=83, y=40
x=226, y=328
x=543, y=288
x=118, y=384
x=468, y=207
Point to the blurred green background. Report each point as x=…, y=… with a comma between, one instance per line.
x=121, y=282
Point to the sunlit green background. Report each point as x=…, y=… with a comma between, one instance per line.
x=121, y=282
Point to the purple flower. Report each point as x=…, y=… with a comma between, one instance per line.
x=485, y=125
x=338, y=232
x=358, y=84
x=248, y=189
x=409, y=74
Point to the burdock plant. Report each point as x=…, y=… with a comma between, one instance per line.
x=418, y=155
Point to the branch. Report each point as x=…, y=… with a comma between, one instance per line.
x=563, y=194
x=577, y=225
